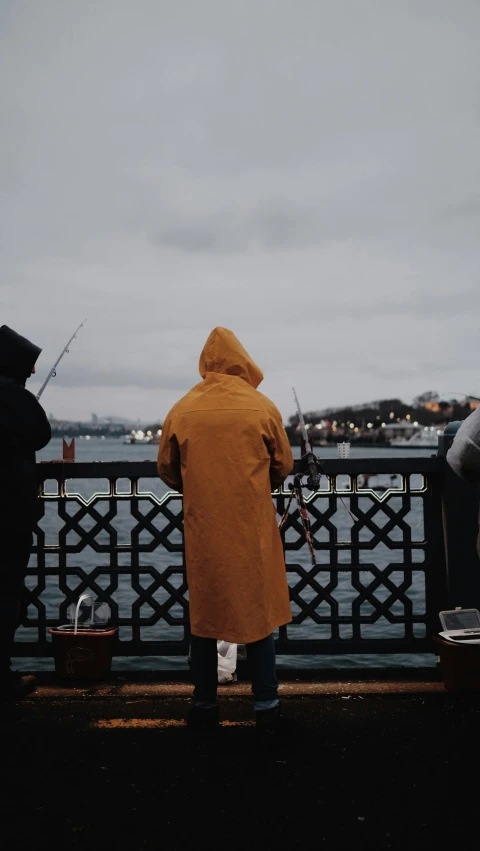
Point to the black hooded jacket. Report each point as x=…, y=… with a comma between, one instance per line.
x=24, y=428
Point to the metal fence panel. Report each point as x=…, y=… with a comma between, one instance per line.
x=380, y=579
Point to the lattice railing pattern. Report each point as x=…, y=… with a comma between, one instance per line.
x=112, y=530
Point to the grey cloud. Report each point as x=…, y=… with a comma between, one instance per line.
x=271, y=226
x=306, y=174
x=82, y=375
x=465, y=209
x=409, y=303
x=406, y=370
x=432, y=306
x=188, y=237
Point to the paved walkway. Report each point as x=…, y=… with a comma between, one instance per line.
x=384, y=763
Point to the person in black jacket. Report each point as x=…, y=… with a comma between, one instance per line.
x=24, y=428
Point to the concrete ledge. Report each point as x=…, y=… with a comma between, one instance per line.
x=163, y=684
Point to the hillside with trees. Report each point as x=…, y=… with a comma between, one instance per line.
x=366, y=422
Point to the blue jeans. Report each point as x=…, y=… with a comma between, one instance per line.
x=261, y=659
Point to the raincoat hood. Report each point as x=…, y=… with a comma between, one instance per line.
x=17, y=355
x=224, y=354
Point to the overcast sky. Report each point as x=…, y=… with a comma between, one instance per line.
x=303, y=172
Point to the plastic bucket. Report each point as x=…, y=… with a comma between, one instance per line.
x=86, y=654
x=459, y=664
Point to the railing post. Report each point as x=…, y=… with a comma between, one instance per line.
x=460, y=524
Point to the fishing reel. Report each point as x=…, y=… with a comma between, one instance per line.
x=312, y=468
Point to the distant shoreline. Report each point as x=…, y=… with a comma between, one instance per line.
x=316, y=448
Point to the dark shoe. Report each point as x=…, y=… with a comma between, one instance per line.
x=13, y=686
x=273, y=729
x=203, y=722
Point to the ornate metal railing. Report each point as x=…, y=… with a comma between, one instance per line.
x=112, y=530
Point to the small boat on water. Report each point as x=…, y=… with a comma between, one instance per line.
x=139, y=437
x=426, y=438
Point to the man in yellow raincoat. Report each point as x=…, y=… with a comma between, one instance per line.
x=224, y=447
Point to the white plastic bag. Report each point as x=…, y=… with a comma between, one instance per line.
x=464, y=453
x=88, y=613
x=227, y=662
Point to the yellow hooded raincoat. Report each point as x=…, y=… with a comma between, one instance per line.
x=224, y=447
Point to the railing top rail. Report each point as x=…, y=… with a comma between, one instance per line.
x=148, y=469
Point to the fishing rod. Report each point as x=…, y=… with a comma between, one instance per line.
x=313, y=483
x=313, y=480
x=53, y=370
x=314, y=468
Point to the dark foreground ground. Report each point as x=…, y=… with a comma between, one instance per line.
x=385, y=764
